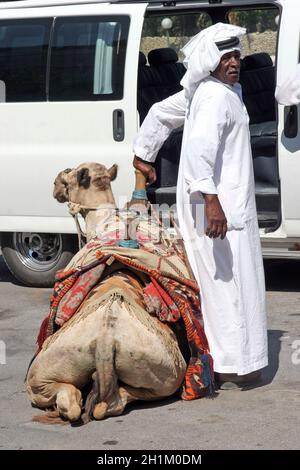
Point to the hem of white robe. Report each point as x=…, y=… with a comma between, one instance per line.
x=247, y=369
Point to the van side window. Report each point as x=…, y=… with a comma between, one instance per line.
x=23, y=59
x=171, y=31
x=87, y=58
x=262, y=29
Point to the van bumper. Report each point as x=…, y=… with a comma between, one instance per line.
x=281, y=249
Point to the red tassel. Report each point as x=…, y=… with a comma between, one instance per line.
x=42, y=333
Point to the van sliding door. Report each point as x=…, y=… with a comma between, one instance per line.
x=67, y=96
x=289, y=122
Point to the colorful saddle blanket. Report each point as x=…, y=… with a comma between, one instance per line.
x=169, y=292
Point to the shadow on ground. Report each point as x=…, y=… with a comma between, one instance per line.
x=5, y=274
x=274, y=347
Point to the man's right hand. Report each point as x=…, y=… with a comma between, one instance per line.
x=146, y=168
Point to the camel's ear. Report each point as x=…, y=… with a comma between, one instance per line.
x=113, y=171
x=60, y=191
x=83, y=178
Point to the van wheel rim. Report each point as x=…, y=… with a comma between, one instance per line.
x=38, y=251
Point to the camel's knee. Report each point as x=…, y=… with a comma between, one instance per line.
x=40, y=400
x=40, y=394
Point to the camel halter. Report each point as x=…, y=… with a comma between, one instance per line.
x=139, y=196
x=75, y=209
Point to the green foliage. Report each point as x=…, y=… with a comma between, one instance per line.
x=190, y=24
x=183, y=25
x=254, y=20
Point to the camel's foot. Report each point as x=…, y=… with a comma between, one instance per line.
x=100, y=410
x=116, y=405
x=69, y=402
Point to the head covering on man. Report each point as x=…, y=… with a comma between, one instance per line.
x=202, y=54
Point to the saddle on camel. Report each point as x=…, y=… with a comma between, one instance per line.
x=116, y=311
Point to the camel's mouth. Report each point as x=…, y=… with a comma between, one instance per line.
x=60, y=198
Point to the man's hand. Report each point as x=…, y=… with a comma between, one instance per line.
x=216, y=220
x=146, y=168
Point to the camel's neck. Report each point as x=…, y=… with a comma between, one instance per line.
x=95, y=220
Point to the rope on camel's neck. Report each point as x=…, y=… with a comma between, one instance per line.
x=75, y=209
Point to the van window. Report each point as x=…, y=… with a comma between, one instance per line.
x=262, y=28
x=87, y=58
x=172, y=30
x=23, y=59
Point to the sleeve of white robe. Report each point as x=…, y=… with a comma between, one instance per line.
x=161, y=119
x=288, y=92
x=210, y=118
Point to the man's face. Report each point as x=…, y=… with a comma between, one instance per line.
x=228, y=70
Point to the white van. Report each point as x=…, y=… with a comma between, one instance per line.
x=78, y=77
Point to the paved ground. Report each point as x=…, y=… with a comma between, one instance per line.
x=262, y=418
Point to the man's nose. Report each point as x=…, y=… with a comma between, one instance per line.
x=235, y=62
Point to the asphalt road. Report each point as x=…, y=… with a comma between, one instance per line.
x=266, y=417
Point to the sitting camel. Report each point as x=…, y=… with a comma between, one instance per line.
x=112, y=341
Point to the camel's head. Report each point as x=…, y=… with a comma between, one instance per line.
x=88, y=184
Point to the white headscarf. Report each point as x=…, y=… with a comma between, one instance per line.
x=202, y=56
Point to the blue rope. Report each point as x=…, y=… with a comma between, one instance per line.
x=128, y=243
x=139, y=194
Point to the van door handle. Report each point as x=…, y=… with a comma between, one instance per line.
x=118, y=125
x=291, y=121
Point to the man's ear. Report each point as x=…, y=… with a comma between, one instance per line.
x=83, y=178
x=113, y=171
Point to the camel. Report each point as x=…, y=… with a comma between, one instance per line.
x=125, y=352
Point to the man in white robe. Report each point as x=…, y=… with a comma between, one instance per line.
x=216, y=175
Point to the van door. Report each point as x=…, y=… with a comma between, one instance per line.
x=69, y=75
x=289, y=122
x=68, y=86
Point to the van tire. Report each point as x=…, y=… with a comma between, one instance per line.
x=34, y=258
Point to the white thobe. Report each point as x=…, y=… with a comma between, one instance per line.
x=216, y=159
x=288, y=92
